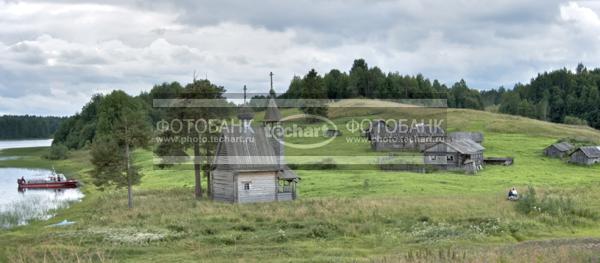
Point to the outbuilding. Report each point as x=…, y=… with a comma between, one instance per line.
x=586, y=155
x=558, y=150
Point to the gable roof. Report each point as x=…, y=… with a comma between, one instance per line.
x=590, y=151
x=245, y=149
x=272, y=113
x=475, y=136
x=563, y=146
x=466, y=146
x=245, y=112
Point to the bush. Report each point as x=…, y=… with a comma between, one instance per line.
x=558, y=206
x=575, y=121
x=324, y=164
x=528, y=202
x=57, y=152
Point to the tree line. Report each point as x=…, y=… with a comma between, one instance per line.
x=561, y=96
x=28, y=127
x=363, y=81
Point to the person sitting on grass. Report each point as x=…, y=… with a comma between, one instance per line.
x=512, y=194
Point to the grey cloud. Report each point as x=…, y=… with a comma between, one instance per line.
x=132, y=44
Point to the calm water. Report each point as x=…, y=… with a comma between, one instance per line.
x=17, y=208
x=24, y=143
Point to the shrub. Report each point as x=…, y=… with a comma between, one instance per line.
x=57, y=152
x=326, y=164
x=323, y=230
x=556, y=206
x=528, y=202
x=575, y=121
x=244, y=228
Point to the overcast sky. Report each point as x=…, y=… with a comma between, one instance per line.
x=55, y=55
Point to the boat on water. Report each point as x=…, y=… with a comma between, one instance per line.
x=53, y=181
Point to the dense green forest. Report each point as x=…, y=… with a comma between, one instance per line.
x=80, y=130
x=28, y=127
x=558, y=96
x=363, y=81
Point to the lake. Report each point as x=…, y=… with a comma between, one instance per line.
x=25, y=143
x=19, y=207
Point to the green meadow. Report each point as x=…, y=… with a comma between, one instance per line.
x=342, y=215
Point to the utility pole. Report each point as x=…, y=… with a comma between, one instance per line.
x=245, y=94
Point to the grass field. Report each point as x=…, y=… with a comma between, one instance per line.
x=342, y=215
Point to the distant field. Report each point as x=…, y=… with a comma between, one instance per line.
x=342, y=215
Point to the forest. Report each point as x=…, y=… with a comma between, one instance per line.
x=28, y=127
x=560, y=96
x=363, y=81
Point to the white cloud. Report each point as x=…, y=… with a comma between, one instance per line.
x=54, y=56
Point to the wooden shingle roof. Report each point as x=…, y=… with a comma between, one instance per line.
x=563, y=146
x=245, y=149
x=591, y=151
x=466, y=146
x=475, y=136
x=272, y=113
x=245, y=112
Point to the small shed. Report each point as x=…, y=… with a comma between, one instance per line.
x=558, y=150
x=586, y=155
x=465, y=155
x=475, y=136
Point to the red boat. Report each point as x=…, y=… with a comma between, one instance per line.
x=53, y=181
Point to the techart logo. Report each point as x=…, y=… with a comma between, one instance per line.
x=299, y=131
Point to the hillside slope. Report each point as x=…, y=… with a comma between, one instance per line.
x=342, y=215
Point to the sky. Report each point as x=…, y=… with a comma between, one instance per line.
x=55, y=54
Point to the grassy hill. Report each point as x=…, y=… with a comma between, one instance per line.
x=342, y=215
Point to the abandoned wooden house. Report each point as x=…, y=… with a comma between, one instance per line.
x=464, y=155
x=558, y=150
x=249, y=163
x=475, y=136
x=416, y=138
x=374, y=127
x=586, y=155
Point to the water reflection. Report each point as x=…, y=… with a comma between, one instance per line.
x=18, y=206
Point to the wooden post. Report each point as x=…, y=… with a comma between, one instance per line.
x=197, y=167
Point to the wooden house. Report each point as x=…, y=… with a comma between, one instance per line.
x=465, y=155
x=249, y=165
x=558, y=150
x=586, y=155
x=415, y=138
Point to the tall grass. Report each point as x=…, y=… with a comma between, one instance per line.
x=562, y=208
